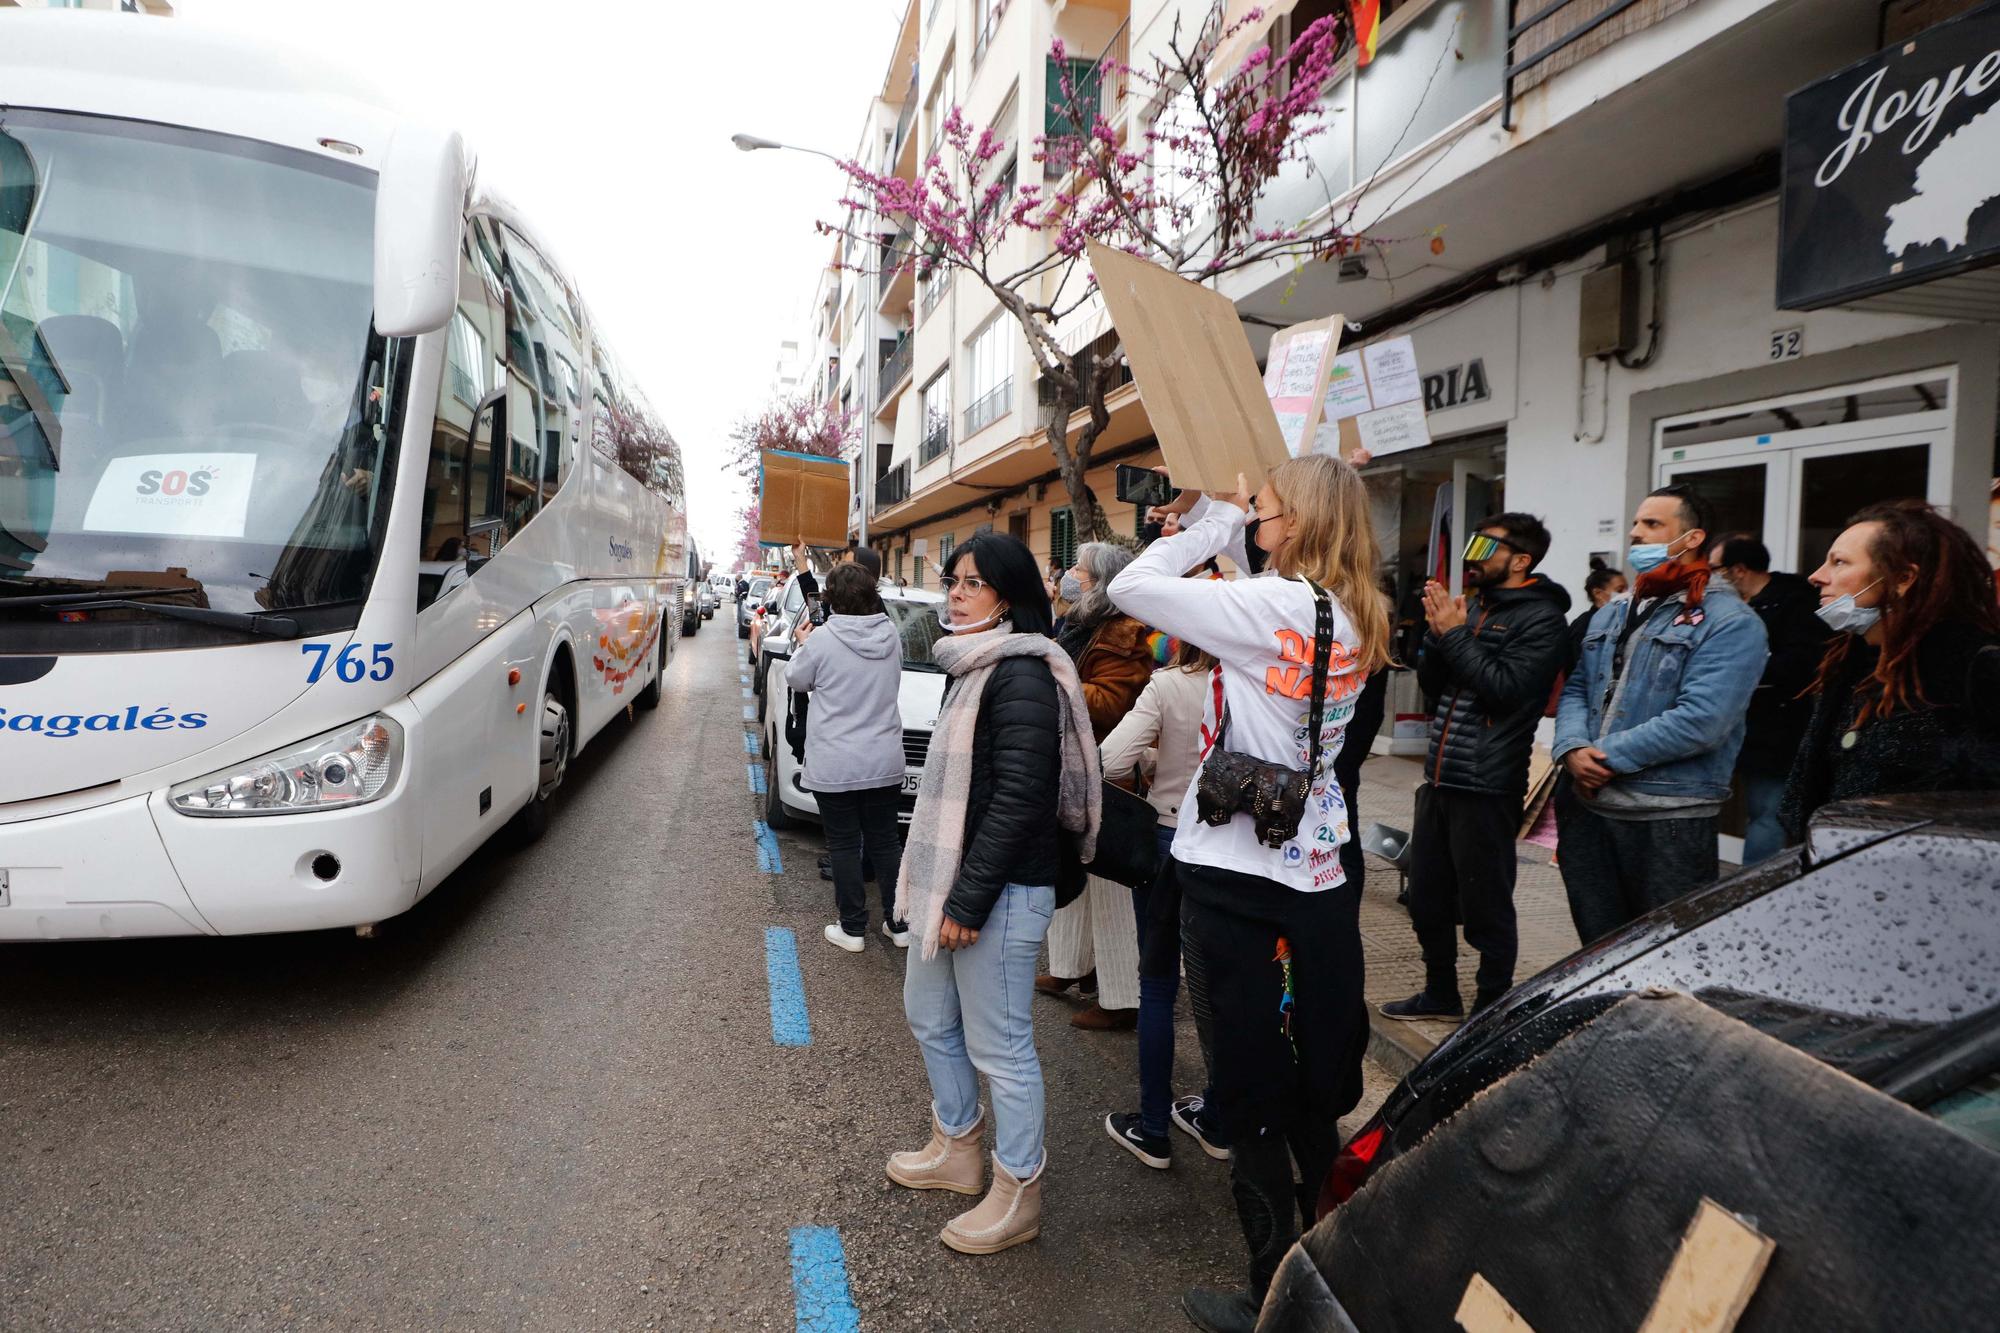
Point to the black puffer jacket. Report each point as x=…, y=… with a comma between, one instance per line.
x=1491, y=678
x=1010, y=825
x=1949, y=742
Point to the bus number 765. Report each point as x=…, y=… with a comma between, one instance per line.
x=350, y=666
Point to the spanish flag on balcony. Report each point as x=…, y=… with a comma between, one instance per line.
x=1367, y=16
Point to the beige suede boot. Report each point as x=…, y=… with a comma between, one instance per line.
x=1010, y=1213
x=944, y=1163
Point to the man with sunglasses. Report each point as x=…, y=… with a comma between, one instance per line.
x=1489, y=660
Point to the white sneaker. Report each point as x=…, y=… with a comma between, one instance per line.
x=840, y=939
x=899, y=938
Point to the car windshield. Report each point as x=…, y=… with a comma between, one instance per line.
x=918, y=625
x=758, y=587
x=191, y=396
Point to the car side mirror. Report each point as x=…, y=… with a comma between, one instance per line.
x=420, y=198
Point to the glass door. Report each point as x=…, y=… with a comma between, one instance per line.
x=1830, y=482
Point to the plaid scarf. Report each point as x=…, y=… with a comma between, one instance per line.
x=937, y=827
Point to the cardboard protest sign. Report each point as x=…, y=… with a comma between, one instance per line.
x=803, y=499
x=1375, y=401
x=1195, y=372
x=1296, y=375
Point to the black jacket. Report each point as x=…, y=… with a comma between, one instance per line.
x=1949, y=742
x=1010, y=823
x=1491, y=678
x=1775, y=724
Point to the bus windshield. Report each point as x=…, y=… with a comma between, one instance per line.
x=193, y=404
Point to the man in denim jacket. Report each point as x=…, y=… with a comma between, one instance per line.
x=1651, y=721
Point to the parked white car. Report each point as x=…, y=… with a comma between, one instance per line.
x=915, y=612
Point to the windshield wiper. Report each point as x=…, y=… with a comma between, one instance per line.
x=248, y=622
x=93, y=595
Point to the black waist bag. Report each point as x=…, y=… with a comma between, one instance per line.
x=1274, y=795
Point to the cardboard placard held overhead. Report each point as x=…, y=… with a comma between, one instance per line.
x=803, y=499
x=1195, y=372
x=1296, y=372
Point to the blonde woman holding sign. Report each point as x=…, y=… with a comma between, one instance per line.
x=1270, y=927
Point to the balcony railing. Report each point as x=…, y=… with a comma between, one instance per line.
x=937, y=437
x=1554, y=26
x=893, y=486
x=895, y=369
x=905, y=118
x=989, y=407
x=1096, y=84
x=895, y=254
x=934, y=288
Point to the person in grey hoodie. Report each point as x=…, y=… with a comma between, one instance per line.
x=852, y=667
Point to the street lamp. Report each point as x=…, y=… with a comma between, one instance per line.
x=750, y=143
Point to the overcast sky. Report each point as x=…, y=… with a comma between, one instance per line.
x=607, y=122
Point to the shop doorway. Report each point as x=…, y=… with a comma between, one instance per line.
x=1792, y=471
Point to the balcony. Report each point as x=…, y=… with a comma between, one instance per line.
x=893, y=486
x=937, y=438
x=896, y=278
x=935, y=286
x=906, y=117
x=1099, y=84
x=989, y=407
x=1561, y=33
x=893, y=373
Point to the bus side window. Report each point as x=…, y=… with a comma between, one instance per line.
x=554, y=339
x=469, y=376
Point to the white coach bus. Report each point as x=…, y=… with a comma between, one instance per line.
x=330, y=529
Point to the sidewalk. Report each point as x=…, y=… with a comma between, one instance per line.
x=1395, y=965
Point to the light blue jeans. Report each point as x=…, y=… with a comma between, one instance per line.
x=970, y=1012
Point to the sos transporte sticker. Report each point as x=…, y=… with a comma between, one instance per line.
x=174, y=495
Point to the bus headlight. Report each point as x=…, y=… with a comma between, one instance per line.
x=351, y=766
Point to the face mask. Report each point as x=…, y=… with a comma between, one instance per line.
x=944, y=619
x=1071, y=589
x=1842, y=616
x=1650, y=555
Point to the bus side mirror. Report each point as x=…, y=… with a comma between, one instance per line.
x=420, y=200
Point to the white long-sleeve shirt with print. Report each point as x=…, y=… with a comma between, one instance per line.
x=1261, y=630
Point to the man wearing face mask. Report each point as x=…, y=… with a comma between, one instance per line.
x=1489, y=660
x=1651, y=722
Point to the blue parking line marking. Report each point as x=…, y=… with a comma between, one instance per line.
x=788, y=992
x=747, y=694
x=756, y=772
x=749, y=712
x=751, y=746
x=819, y=1283
x=768, y=859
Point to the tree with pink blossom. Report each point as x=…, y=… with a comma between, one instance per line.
x=1181, y=186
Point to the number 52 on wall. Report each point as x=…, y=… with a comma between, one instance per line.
x=1787, y=344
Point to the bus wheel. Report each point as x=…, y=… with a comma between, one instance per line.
x=552, y=765
x=649, y=698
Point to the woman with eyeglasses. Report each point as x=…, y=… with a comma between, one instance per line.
x=1908, y=694
x=1270, y=926
x=1012, y=760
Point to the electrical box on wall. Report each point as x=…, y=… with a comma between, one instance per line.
x=1608, y=322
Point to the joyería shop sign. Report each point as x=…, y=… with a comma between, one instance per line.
x=1892, y=168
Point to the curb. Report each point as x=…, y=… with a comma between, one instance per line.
x=1395, y=1046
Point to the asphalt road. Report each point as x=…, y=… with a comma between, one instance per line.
x=548, y=1098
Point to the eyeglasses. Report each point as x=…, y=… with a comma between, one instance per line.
x=1481, y=547
x=972, y=585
